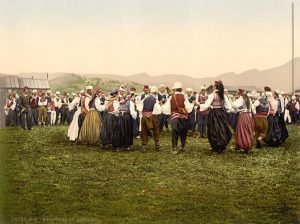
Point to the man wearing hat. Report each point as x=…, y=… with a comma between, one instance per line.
x=178, y=106
x=25, y=109
x=162, y=98
x=146, y=92
x=64, y=108
x=34, y=99
x=42, y=102
x=150, y=110
x=57, y=106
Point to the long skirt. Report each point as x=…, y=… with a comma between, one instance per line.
x=90, y=130
x=274, y=132
x=107, y=129
x=123, y=131
x=244, y=132
x=218, y=131
x=74, y=127
x=261, y=127
x=282, y=125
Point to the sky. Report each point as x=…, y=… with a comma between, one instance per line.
x=200, y=38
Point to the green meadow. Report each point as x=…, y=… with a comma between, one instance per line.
x=47, y=179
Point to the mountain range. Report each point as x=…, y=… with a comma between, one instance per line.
x=279, y=77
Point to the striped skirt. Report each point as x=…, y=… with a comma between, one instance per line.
x=90, y=130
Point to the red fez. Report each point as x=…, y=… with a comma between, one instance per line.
x=146, y=87
x=267, y=89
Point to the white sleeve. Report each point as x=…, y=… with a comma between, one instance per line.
x=98, y=104
x=116, y=105
x=254, y=105
x=166, y=108
x=227, y=103
x=73, y=103
x=13, y=107
x=55, y=102
x=207, y=103
x=238, y=103
x=297, y=106
x=188, y=106
x=132, y=110
x=86, y=103
x=157, y=108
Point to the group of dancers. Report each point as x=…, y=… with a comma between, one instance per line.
x=113, y=121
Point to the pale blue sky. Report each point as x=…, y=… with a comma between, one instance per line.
x=194, y=37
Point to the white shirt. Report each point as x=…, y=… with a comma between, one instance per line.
x=210, y=99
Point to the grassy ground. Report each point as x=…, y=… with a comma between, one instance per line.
x=46, y=179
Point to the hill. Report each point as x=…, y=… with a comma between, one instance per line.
x=74, y=83
x=277, y=78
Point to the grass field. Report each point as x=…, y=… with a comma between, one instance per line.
x=46, y=179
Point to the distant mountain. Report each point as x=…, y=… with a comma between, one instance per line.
x=277, y=78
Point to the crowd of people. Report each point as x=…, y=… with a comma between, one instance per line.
x=113, y=120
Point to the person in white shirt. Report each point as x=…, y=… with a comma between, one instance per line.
x=150, y=109
x=109, y=121
x=218, y=131
x=245, y=124
x=123, y=132
x=178, y=106
x=273, y=137
x=75, y=107
x=42, y=103
x=9, y=108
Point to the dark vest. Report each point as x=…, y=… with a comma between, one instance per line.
x=263, y=107
x=149, y=103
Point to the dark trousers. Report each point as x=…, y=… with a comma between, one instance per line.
x=64, y=114
x=58, y=113
x=192, y=121
x=294, y=114
x=48, y=118
x=11, y=120
x=179, y=130
x=163, y=121
x=35, y=113
x=150, y=124
x=202, y=123
x=26, y=118
x=135, y=126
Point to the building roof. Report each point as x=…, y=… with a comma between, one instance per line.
x=14, y=82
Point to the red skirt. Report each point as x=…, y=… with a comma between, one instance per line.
x=244, y=132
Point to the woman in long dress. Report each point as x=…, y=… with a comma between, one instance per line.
x=218, y=131
x=122, y=137
x=74, y=128
x=90, y=130
x=110, y=118
x=245, y=125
